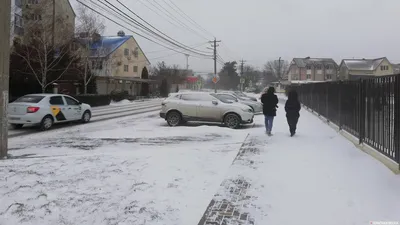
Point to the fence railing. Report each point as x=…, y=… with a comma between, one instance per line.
x=369, y=109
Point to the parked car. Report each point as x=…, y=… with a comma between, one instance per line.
x=204, y=106
x=242, y=95
x=46, y=109
x=256, y=106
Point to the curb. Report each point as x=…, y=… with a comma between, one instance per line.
x=228, y=210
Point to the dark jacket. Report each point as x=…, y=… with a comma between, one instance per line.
x=270, y=103
x=292, y=108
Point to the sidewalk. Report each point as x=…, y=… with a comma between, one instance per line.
x=317, y=177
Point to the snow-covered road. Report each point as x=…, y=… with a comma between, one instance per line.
x=137, y=170
x=115, y=110
x=134, y=170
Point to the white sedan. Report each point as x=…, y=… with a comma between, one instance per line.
x=47, y=109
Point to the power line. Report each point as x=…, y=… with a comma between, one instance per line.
x=134, y=32
x=176, y=19
x=183, y=14
x=164, y=50
x=126, y=16
x=149, y=24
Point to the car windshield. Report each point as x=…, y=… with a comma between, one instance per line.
x=240, y=94
x=222, y=98
x=30, y=99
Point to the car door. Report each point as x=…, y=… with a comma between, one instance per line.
x=209, y=108
x=58, y=108
x=188, y=106
x=74, y=109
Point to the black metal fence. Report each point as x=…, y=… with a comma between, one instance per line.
x=368, y=109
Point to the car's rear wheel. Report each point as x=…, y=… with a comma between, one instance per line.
x=17, y=126
x=47, y=123
x=174, y=118
x=86, y=116
x=232, y=121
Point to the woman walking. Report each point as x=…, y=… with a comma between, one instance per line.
x=270, y=103
x=292, y=108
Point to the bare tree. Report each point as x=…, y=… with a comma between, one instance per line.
x=89, y=26
x=278, y=68
x=47, y=57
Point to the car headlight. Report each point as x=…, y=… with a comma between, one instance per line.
x=248, y=110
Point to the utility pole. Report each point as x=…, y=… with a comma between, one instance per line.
x=5, y=12
x=187, y=61
x=241, y=74
x=279, y=73
x=215, y=61
x=54, y=23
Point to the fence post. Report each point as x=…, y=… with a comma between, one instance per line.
x=397, y=119
x=327, y=103
x=361, y=113
x=340, y=104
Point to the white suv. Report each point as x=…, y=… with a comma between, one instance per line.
x=202, y=106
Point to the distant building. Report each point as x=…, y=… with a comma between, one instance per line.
x=364, y=68
x=27, y=14
x=118, y=63
x=312, y=69
x=17, y=24
x=396, y=68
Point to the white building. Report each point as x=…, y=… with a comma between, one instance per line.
x=16, y=19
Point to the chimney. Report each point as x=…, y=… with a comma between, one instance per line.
x=121, y=33
x=96, y=37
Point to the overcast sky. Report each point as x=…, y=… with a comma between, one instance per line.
x=262, y=30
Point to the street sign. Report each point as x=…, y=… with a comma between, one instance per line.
x=242, y=80
x=215, y=79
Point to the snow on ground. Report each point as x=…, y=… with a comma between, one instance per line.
x=135, y=170
x=316, y=177
x=123, y=102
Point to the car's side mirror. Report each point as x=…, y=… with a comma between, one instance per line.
x=215, y=102
x=79, y=103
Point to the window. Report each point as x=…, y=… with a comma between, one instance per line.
x=126, y=52
x=18, y=3
x=126, y=68
x=308, y=76
x=329, y=77
x=136, y=52
x=308, y=67
x=318, y=67
x=56, y=100
x=36, y=17
x=97, y=65
x=226, y=98
x=328, y=67
x=18, y=21
x=384, y=67
x=135, y=69
x=196, y=97
x=71, y=101
x=30, y=99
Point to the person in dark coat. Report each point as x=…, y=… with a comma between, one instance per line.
x=292, y=108
x=270, y=103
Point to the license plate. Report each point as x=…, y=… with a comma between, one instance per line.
x=15, y=118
